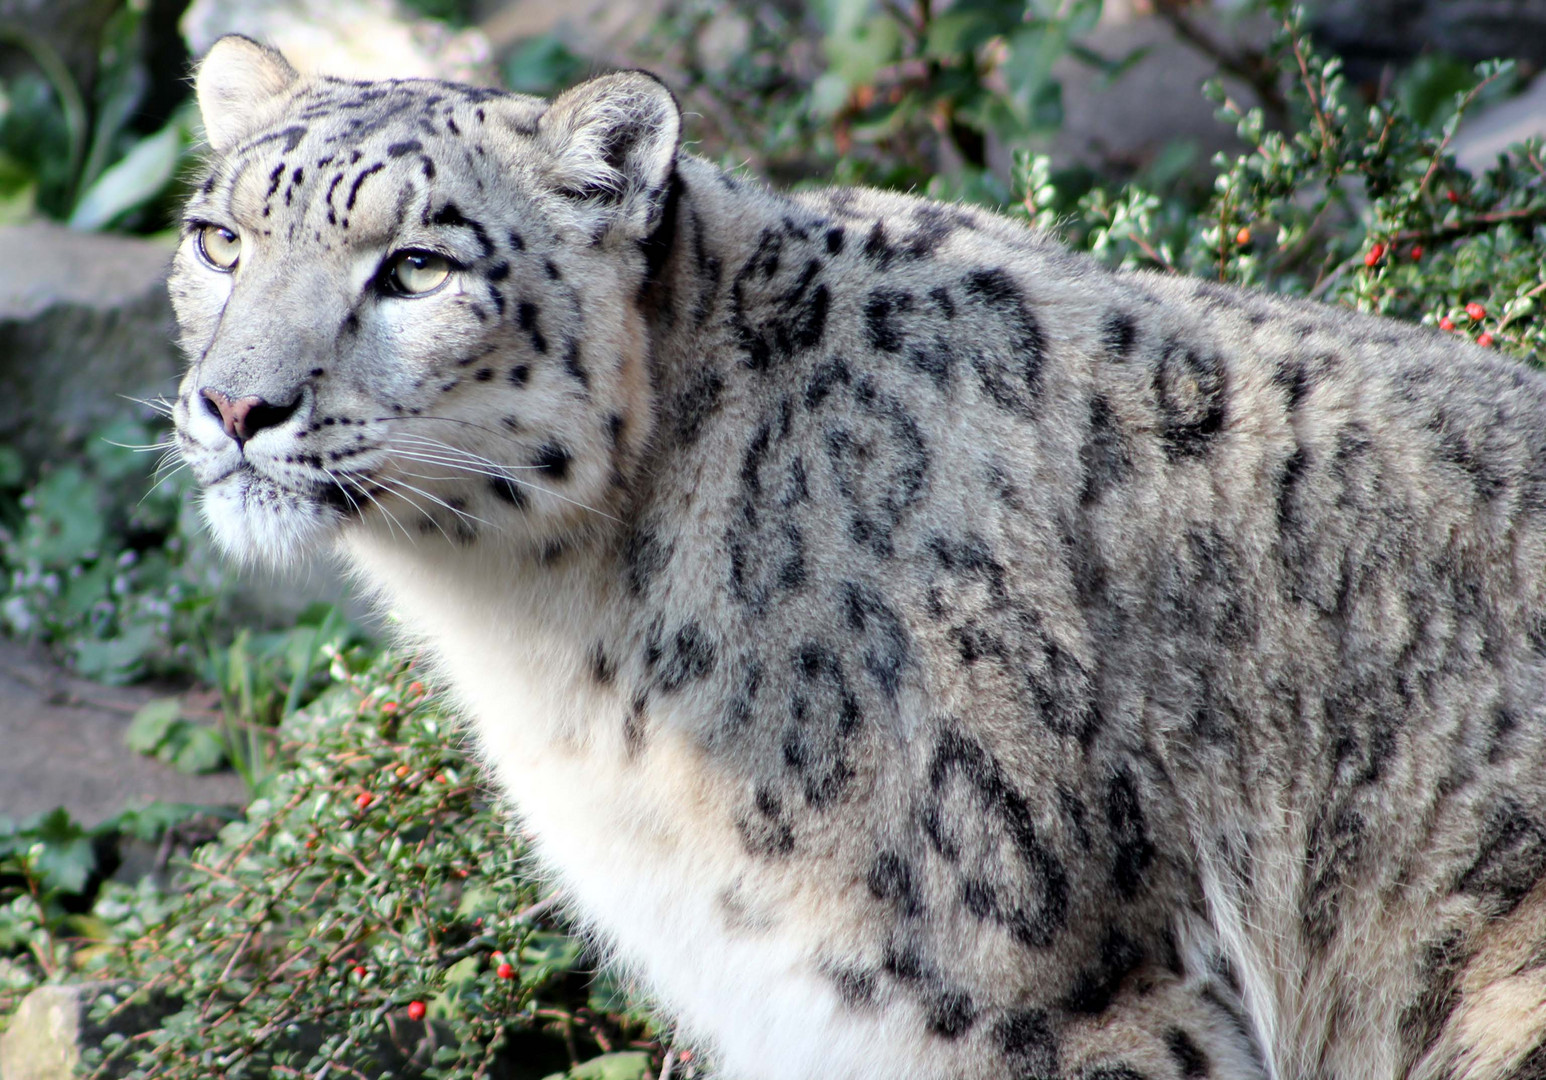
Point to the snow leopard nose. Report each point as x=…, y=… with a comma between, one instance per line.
x=244, y=417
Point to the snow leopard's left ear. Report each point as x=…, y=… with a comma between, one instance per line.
x=610, y=150
x=238, y=85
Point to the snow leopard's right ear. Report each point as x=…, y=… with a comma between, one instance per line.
x=236, y=82
x=611, y=148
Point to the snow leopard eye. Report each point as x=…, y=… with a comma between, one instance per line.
x=415, y=273
x=219, y=247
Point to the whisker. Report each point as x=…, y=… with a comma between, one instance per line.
x=398, y=481
x=160, y=405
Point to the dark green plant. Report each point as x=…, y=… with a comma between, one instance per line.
x=1357, y=204
x=370, y=915
x=874, y=92
x=78, y=154
x=121, y=585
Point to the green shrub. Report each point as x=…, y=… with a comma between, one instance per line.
x=370, y=912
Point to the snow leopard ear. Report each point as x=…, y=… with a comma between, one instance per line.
x=611, y=150
x=236, y=81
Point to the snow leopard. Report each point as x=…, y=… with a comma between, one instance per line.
x=917, y=651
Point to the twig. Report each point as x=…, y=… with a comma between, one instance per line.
x=1454, y=125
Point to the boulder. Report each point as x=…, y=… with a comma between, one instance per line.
x=53, y=1025
x=358, y=39
x=84, y=322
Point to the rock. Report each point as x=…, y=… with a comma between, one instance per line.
x=53, y=1026
x=1370, y=34
x=360, y=39
x=1491, y=131
x=84, y=322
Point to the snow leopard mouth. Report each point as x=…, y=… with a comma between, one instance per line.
x=259, y=518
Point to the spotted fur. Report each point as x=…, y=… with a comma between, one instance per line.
x=917, y=651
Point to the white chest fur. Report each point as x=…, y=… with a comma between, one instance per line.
x=641, y=842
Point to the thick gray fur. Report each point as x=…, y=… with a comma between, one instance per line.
x=918, y=651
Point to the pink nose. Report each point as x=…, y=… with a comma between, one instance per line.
x=243, y=418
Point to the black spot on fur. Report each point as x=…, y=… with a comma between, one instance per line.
x=884, y=334
x=552, y=460
x=519, y=375
x=1190, y=1060
x=506, y=490
x=602, y=669
x=951, y=1014
x=1512, y=859
x=450, y=216
x=399, y=149
x=1095, y=987
x=1029, y=1046
x=765, y=833
x=854, y=988
x=835, y=240
x=645, y=555
x=572, y=366
x=526, y=316
x=1134, y=851
x=829, y=373
x=1338, y=841
x=1104, y=455
x=1189, y=389
x=886, y=640
x=1008, y=370
x=695, y=403
x=1033, y=905
x=891, y=878
x=1437, y=996
x=1117, y=334
x=354, y=189
x=691, y=657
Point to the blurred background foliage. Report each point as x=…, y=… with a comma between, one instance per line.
x=367, y=912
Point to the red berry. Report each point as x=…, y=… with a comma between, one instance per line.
x=1416, y=253
x=416, y=688
x=1243, y=237
x=416, y=1010
x=1375, y=254
x=389, y=707
x=1446, y=323
x=359, y=971
x=1484, y=340
x=1452, y=195
x=363, y=799
x=1475, y=310
x=505, y=971
x=401, y=771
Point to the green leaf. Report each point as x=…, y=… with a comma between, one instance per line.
x=858, y=54
x=67, y=522
x=199, y=749
x=152, y=724
x=627, y=1065
x=12, y=468
x=138, y=177
x=61, y=854
x=540, y=65
x=957, y=33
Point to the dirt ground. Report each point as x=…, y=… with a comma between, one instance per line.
x=61, y=744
